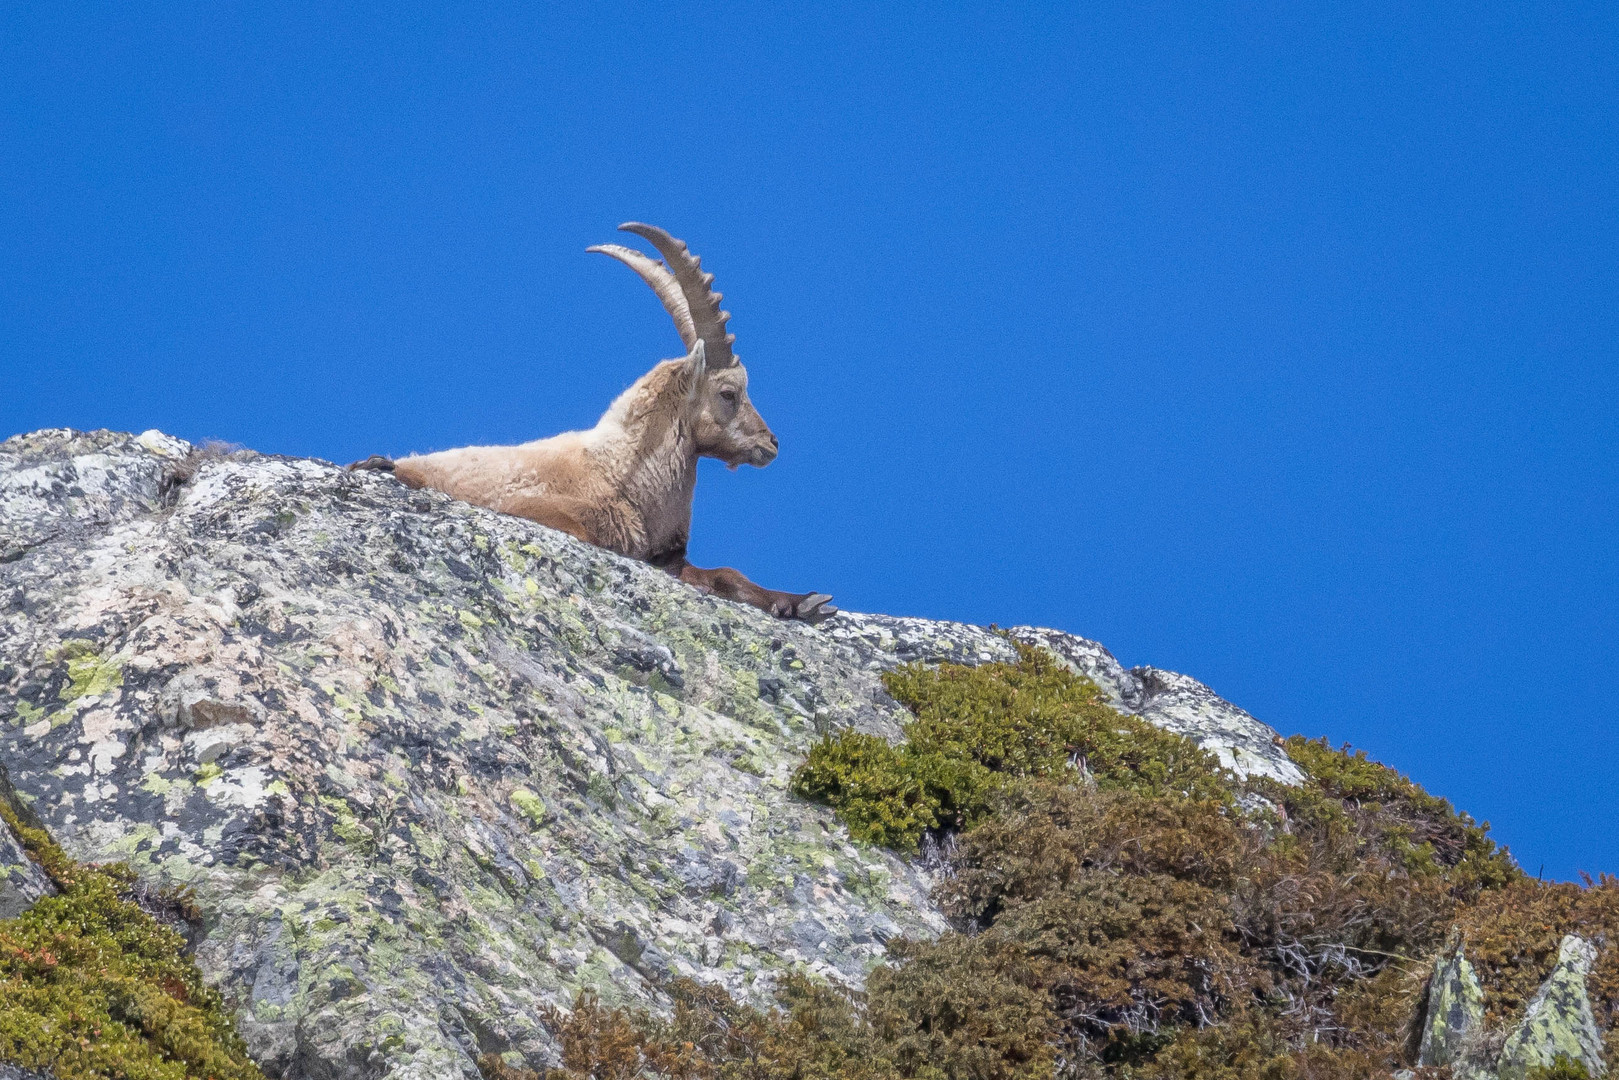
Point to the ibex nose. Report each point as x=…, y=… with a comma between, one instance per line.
x=764, y=455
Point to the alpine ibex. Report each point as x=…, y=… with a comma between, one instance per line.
x=627, y=483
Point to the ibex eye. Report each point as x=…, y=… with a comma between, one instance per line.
x=728, y=396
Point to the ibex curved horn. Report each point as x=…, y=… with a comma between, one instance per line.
x=655, y=274
x=701, y=299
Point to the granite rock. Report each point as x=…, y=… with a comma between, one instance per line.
x=21, y=879
x=1455, y=1011
x=427, y=767
x=1558, y=1020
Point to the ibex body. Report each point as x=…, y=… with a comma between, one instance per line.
x=627, y=483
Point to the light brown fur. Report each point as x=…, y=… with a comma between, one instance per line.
x=627, y=483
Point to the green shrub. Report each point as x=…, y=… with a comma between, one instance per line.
x=1424, y=832
x=962, y=1008
x=1041, y=835
x=883, y=795
x=1562, y=1067
x=93, y=986
x=821, y=1034
x=977, y=729
x=1118, y=901
x=946, y=1012
x=1246, y=1049
x=1512, y=936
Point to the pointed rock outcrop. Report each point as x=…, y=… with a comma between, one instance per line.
x=1455, y=1010
x=1558, y=1021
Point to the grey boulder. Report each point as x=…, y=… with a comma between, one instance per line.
x=428, y=768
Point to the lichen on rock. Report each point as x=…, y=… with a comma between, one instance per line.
x=430, y=770
x=1558, y=1022
x=1455, y=1010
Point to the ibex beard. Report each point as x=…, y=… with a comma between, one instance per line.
x=626, y=484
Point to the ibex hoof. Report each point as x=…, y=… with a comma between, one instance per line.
x=374, y=463
x=814, y=608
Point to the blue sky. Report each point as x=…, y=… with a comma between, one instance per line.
x=1276, y=344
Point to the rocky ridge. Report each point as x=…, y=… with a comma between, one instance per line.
x=428, y=767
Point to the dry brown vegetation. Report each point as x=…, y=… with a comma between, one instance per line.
x=1125, y=908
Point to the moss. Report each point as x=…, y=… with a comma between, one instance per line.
x=1562, y=1067
x=92, y=986
x=976, y=729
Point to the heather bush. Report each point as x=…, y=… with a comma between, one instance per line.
x=1124, y=907
x=978, y=729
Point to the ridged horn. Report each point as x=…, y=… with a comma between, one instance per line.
x=655, y=274
x=701, y=299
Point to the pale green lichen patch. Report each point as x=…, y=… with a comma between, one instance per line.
x=88, y=672
x=1558, y=1022
x=156, y=783
x=529, y=805
x=1455, y=1010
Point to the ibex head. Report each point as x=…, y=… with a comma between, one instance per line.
x=724, y=421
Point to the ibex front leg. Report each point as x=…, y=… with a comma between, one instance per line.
x=811, y=607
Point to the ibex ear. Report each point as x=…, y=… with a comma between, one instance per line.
x=699, y=368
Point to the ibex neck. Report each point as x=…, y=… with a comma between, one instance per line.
x=649, y=455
